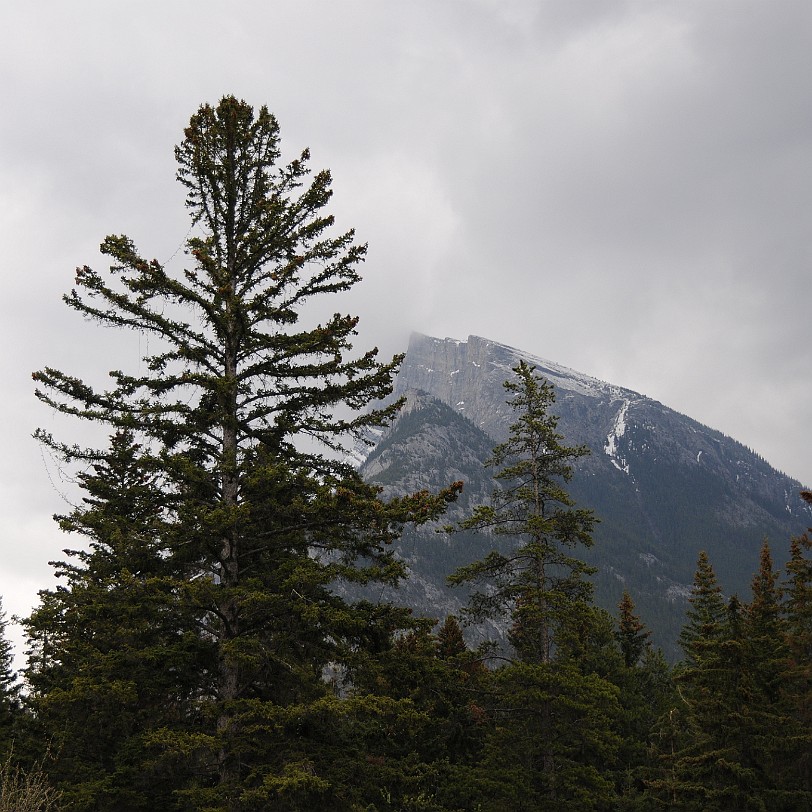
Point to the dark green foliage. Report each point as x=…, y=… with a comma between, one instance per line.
x=646, y=693
x=796, y=685
x=706, y=617
x=552, y=740
x=734, y=740
x=706, y=766
x=450, y=640
x=116, y=650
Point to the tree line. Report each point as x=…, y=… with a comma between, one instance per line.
x=197, y=653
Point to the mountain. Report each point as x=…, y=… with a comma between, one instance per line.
x=663, y=485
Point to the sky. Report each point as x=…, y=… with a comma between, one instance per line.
x=624, y=188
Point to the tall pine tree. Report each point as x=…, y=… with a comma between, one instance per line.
x=258, y=523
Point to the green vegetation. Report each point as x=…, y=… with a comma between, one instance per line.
x=202, y=651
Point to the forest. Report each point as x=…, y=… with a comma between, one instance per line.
x=195, y=653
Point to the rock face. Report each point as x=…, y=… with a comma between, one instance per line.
x=663, y=486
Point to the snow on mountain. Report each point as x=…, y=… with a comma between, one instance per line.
x=663, y=486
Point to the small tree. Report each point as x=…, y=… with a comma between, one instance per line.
x=26, y=791
x=706, y=617
x=632, y=634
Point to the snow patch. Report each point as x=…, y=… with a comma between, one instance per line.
x=564, y=377
x=610, y=447
x=363, y=446
x=678, y=592
x=649, y=559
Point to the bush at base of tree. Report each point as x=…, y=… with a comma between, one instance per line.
x=26, y=790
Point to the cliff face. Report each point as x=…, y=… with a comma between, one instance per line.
x=468, y=376
x=663, y=485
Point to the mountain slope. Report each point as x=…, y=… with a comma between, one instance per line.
x=663, y=485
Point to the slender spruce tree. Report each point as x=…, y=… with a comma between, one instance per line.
x=552, y=740
x=539, y=584
x=258, y=523
x=707, y=763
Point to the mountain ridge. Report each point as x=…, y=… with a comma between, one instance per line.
x=663, y=485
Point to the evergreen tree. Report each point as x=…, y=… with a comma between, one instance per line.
x=632, y=635
x=552, y=739
x=450, y=639
x=258, y=524
x=766, y=656
x=695, y=753
x=9, y=691
x=646, y=694
x=538, y=583
x=116, y=652
x=730, y=751
x=438, y=681
x=647, y=699
x=706, y=616
x=797, y=677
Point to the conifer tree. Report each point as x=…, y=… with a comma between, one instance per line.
x=646, y=694
x=116, y=651
x=771, y=732
x=710, y=763
x=450, y=639
x=538, y=583
x=797, y=677
x=706, y=617
x=9, y=690
x=552, y=741
x=632, y=635
x=259, y=525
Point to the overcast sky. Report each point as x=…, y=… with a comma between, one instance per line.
x=622, y=187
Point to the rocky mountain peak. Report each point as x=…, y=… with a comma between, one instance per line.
x=663, y=486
